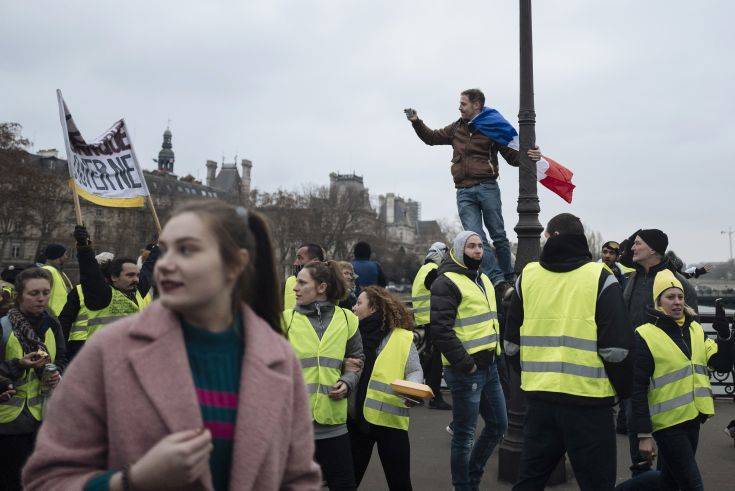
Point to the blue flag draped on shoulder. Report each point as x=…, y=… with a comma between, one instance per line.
x=550, y=173
x=493, y=125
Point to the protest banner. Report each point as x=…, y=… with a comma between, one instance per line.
x=105, y=171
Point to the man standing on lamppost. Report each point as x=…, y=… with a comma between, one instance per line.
x=475, y=170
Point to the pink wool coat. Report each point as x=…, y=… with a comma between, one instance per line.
x=131, y=385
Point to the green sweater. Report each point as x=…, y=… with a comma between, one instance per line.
x=215, y=360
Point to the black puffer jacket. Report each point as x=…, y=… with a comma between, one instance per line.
x=645, y=365
x=639, y=292
x=445, y=300
x=564, y=253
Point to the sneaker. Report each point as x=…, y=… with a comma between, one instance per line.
x=439, y=404
x=449, y=429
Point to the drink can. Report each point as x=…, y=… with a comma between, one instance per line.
x=48, y=370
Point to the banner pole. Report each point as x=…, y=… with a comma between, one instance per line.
x=142, y=178
x=155, y=215
x=67, y=143
x=77, y=206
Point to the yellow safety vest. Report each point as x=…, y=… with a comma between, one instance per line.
x=289, y=297
x=59, y=290
x=8, y=289
x=28, y=386
x=90, y=321
x=420, y=296
x=476, y=324
x=625, y=269
x=321, y=360
x=383, y=407
x=559, y=332
x=680, y=388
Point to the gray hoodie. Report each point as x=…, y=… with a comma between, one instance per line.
x=458, y=245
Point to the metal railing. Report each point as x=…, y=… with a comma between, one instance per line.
x=723, y=383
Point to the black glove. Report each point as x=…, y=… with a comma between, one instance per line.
x=721, y=324
x=81, y=236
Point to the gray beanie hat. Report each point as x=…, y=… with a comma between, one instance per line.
x=458, y=245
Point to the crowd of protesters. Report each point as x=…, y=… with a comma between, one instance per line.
x=193, y=388
x=195, y=367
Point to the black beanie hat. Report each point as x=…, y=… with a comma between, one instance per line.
x=54, y=251
x=656, y=239
x=611, y=244
x=362, y=250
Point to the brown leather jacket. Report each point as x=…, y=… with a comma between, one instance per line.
x=475, y=157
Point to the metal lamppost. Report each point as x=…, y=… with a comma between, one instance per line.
x=529, y=233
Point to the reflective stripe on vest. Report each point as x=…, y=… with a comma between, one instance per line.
x=420, y=296
x=476, y=324
x=559, y=332
x=321, y=360
x=383, y=407
x=58, y=290
x=90, y=321
x=680, y=389
x=28, y=386
x=289, y=296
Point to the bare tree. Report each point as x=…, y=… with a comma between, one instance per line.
x=450, y=226
x=17, y=185
x=594, y=241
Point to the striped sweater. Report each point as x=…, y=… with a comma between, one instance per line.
x=215, y=360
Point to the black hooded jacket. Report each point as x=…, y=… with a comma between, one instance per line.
x=645, y=365
x=639, y=292
x=445, y=300
x=561, y=254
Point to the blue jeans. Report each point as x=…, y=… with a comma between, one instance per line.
x=482, y=203
x=474, y=394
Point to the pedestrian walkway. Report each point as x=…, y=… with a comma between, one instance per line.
x=430, y=454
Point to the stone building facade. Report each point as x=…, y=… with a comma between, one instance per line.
x=396, y=223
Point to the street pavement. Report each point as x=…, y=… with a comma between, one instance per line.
x=430, y=445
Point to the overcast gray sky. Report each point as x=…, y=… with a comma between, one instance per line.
x=635, y=97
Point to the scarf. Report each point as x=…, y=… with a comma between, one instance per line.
x=25, y=333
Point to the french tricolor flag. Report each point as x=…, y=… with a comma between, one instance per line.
x=549, y=172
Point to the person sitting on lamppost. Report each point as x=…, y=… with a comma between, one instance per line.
x=475, y=170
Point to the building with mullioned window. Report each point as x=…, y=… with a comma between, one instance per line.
x=126, y=231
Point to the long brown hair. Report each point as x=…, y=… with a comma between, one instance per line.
x=236, y=229
x=393, y=313
x=330, y=273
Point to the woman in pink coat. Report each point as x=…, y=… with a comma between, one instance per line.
x=198, y=391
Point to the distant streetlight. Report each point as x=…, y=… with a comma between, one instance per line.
x=729, y=232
